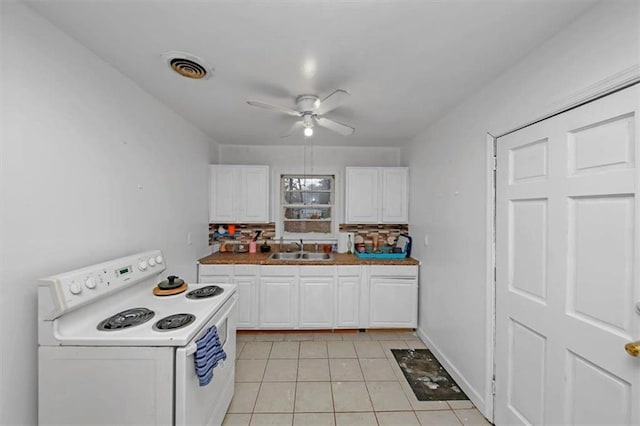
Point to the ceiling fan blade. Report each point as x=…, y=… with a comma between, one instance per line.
x=274, y=108
x=333, y=101
x=298, y=125
x=343, y=129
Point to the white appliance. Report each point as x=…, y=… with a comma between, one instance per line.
x=105, y=356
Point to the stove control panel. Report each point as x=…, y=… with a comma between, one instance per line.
x=150, y=261
x=64, y=292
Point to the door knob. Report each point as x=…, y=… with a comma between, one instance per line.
x=633, y=348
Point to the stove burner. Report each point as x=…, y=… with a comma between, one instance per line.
x=124, y=319
x=205, y=292
x=174, y=321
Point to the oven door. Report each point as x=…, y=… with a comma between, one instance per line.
x=207, y=405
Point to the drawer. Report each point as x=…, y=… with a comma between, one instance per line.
x=246, y=270
x=215, y=269
x=317, y=271
x=349, y=271
x=393, y=271
x=278, y=271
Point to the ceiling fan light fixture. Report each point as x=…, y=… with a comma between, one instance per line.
x=310, y=110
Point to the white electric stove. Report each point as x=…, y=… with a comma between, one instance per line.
x=113, y=352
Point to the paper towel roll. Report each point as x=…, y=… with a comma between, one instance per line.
x=343, y=241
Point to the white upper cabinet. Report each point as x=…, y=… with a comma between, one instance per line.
x=361, y=195
x=377, y=195
x=238, y=194
x=394, y=206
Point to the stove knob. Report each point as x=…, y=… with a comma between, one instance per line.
x=159, y=259
x=152, y=261
x=75, y=288
x=90, y=283
x=142, y=265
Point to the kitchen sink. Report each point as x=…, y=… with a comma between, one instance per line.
x=285, y=256
x=304, y=256
x=316, y=256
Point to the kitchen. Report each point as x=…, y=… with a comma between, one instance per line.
x=79, y=136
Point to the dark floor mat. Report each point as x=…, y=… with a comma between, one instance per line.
x=427, y=378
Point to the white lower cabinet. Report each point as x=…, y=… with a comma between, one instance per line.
x=348, y=297
x=246, y=278
x=316, y=285
x=278, y=297
x=393, y=300
x=326, y=297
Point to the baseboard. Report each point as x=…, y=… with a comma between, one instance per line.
x=475, y=397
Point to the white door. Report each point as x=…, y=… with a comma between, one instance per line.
x=567, y=268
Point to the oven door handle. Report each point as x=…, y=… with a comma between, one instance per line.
x=191, y=349
x=193, y=346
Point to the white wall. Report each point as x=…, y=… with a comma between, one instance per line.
x=448, y=168
x=78, y=138
x=322, y=156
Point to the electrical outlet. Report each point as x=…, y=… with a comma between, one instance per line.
x=188, y=238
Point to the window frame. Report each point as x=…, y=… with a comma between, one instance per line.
x=279, y=205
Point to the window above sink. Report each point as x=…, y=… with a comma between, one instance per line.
x=307, y=206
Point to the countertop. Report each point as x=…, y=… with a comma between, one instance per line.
x=263, y=259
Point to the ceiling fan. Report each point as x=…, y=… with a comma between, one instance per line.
x=310, y=110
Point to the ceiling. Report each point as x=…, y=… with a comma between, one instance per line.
x=404, y=62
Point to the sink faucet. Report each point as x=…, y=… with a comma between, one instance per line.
x=301, y=245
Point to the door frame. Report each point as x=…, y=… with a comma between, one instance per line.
x=613, y=83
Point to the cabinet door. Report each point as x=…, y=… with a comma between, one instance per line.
x=348, y=302
x=222, y=192
x=393, y=302
x=361, y=197
x=394, y=204
x=253, y=194
x=316, y=302
x=247, y=301
x=277, y=302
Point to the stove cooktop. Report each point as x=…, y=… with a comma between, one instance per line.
x=123, y=319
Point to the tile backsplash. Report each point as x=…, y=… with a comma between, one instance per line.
x=246, y=231
x=383, y=230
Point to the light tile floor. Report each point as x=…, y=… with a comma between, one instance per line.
x=332, y=379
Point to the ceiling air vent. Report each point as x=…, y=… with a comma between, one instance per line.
x=188, y=65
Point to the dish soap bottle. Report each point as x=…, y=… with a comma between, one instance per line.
x=349, y=245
